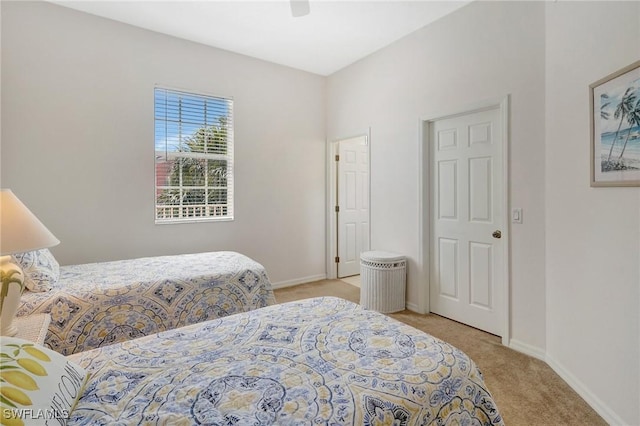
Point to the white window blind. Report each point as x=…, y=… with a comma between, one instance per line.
x=193, y=156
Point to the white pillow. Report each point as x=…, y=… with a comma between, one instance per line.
x=41, y=269
x=38, y=386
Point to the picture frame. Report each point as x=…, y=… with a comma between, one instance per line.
x=615, y=128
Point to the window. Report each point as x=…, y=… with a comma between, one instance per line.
x=193, y=157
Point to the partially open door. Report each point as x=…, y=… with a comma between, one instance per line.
x=352, y=209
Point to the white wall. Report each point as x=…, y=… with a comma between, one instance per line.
x=483, y=51
x=593, y=234
x=77, y=141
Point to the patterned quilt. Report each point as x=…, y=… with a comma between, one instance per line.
x=98, y=304
x=322, y=361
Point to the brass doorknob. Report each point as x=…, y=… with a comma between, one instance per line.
x=497, y=234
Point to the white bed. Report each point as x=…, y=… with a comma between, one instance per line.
x=99, y=304
x=322, y=361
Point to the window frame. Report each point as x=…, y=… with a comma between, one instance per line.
x=170, y=156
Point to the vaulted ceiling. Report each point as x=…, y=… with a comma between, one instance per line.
x=333, y=35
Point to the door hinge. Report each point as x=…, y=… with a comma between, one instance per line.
x=337, y=209
x=337, y=259
x=337, y=157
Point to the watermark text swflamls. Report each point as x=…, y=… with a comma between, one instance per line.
x=35, y=414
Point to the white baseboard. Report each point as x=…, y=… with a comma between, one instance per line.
x=296, y=281
x=596, y=403
x=413, y=307
x=527, y=349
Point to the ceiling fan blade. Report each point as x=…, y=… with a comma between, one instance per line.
x=299, y=8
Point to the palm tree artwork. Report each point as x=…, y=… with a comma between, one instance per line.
x=633, y=117
x=604, y=104
x=626, y=115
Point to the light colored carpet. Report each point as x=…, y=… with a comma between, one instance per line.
x=354, y=280
x=527, y=391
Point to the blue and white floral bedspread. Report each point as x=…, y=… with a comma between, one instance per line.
x=97, y=304
x=322, y=361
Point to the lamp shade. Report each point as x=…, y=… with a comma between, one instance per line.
x=20, y=230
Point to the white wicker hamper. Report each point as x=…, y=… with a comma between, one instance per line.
x=383, y=281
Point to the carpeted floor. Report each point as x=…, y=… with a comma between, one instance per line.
x=527, y=391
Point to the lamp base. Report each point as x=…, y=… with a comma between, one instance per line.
x=11, y=290
x=11, y=331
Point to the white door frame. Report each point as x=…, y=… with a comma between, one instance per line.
x=331, y=200
x=425, y=205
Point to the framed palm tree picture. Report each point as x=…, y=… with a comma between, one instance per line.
x=615, y=128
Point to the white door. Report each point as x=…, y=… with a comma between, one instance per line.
x=353, y=204
x=467, y=251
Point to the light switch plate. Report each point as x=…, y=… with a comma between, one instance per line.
x=516, y=215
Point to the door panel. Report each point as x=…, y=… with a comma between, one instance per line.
x=448, y=190
x=480, y=274
x=351, y=244
x=466, y=182
x=350, y=201
x=480, y=189
x=448, y=268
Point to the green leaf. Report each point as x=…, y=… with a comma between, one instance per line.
x=7, y=402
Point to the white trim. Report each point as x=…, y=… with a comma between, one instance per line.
x=330, y=243
x=331, y=195
x=581, y=389
x=195, y=219
x=190, y=91
x=527, y=349
x=296, y=281
x=424, y=207
x=503, y=104
x=505, y=111
x=413, y=307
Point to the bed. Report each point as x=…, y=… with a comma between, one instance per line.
x=323, y=361
x=99, y=304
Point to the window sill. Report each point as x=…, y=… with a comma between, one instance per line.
x=194, y=220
